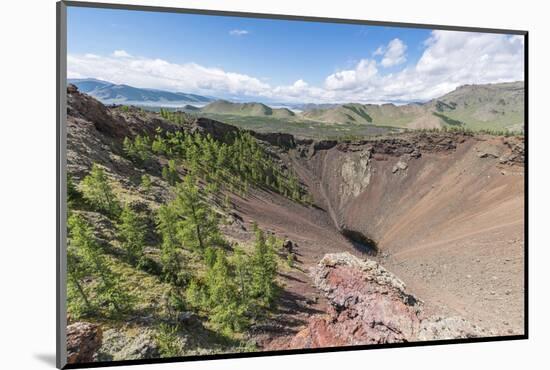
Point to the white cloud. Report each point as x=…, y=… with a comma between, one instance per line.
x=379, y=51
x=351, y=79
x=238, y=32
x=161, y=74
x=450, y=59
x=121, y=54
x=394, y=53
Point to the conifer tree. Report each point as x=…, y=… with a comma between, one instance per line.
x=98, y=192
x=167, y=226
x=243, y=275
x=226, y=309
x=199, y=227
x=84, y=261
x=131, y=232
x=264, y=270
x=146, y=183
x=169, y=173
x=128, y=147
x=73, y=195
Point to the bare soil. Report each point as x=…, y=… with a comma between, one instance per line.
x=450, y=225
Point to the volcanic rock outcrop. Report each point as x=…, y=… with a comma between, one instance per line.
x=370, y=305
x=83, y=341
x=444, y=211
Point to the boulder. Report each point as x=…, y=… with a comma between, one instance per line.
x=129, y=345
x=83, y=341
x=370, y=305
x=400, y=166
x=288, y=245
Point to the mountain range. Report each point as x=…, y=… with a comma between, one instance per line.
x=111, y=93
x=497, y=106
x=491, y=106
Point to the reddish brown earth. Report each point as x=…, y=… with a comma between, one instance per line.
x=446, y=212
x=370, y=305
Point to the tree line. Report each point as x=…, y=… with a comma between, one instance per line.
x=236, y=163
x=233, y=289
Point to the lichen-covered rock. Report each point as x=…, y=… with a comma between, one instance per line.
x=438, y=328
x=128, y=345
x=370, y=305
x=83, y=341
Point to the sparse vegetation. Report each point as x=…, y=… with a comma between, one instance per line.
x=167, y=341
x=97, y=191
x=468, y=131
x=146, y=183
x=170, y=173
x=101, y=296
x=138, y=150
x=131, y=233
x=179, y=118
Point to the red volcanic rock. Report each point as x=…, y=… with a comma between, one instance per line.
x=369, y=305
x=83, y=341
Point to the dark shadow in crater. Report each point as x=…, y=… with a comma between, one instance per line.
x=360, y=241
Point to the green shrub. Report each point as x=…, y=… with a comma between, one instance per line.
x=97, y=191
x=167, y=341
x=146, y=183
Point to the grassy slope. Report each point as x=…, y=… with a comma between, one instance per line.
x=493, y=107
x=306, y=128
x=246, y=109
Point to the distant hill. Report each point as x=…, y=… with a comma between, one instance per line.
x=110, y=93
x=191, y=108
x=492, y=106
x=246, y=109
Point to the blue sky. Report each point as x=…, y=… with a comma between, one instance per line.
x=270, y=59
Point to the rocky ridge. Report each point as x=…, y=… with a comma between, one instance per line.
x=370, y=305
x=423, y=195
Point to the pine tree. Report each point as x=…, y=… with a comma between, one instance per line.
x=243, y=275
x=170, y=173
x=159, y=145
x=264, y=270
x=84, y=260
x=128, y=147
x=98, y=192
x=167, y=226
x=166, y=339
x=225, y=309
x=146, y=183
x=81, y=255
x=142, y=145
x=131, y=233
x=196, y=295
x=73, y=195
x=199, y=227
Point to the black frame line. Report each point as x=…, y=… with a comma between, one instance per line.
x=61, y=183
